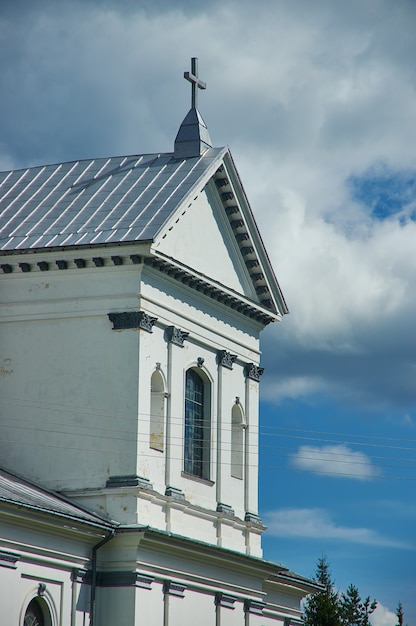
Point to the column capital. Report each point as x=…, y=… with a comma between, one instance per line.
x=176, y=336
x=253, y=371
x=226, y=359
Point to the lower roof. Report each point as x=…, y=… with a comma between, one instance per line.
x=25, y=494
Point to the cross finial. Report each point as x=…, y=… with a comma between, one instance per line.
x=192, y=76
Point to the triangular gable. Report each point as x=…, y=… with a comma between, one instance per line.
x=200, y=236
x=214, y=231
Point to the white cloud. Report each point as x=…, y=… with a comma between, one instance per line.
x=317, y=524
x=305, y=97
x=382, y=616
x=335, y=460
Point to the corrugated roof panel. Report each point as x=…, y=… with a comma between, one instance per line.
x=134, y=233
x=16, y=490
x=11, y=178
x=99, y=237
x=113, y=236
x=9, y=244
x=79, y=239
x=121, y=234
x=5, y=178
x=96, y=200
x=21, y=241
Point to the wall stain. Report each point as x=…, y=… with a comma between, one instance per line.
x=6, y=369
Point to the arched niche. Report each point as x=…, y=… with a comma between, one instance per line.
x=157, y=411
x=237, y=441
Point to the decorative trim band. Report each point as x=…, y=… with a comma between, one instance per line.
x=124, y=579
x=254, y=606
x=132, y=319
x=253, y=518
x=222, y=599
x=80, y=575
x=225, y=508
x=128, y=481
x=292, y=621
x=174, y=589
x=9, y=559
x=214, y=292
x=174, y=492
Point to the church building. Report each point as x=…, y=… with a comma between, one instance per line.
x=133, y=293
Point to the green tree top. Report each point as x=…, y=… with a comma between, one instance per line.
x=399, y=614
x=322, y=608
x=354, y=611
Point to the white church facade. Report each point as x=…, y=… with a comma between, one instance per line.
x=133, y=293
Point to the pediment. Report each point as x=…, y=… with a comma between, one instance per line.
x=214, y=231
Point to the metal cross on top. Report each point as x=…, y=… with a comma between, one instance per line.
x=192, y=76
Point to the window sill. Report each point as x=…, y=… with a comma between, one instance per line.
x=198, y=479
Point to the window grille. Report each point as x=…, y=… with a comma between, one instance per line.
x=197, y=426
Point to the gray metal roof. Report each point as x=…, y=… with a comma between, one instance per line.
x=95, y=201
x=18, y=491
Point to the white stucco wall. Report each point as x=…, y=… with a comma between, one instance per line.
x=77, y=394
x=70, y=400
x=201, y=237
x=47, y=554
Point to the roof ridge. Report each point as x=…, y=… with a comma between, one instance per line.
x=93, y=158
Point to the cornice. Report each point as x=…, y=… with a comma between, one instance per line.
x=214, y=290
x=206, y=552
x=74, y=260
x=173, y=497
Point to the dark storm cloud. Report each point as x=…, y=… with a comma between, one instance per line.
x=378, y=374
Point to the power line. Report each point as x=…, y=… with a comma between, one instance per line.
x=142, y=439
x=325, y=432
x=262, y=431
x=143, y=436
x=127, y=415
x=255, y=465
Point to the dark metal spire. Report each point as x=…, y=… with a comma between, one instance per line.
x=193, y=138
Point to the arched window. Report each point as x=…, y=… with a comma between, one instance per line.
x=37, y=613
x=237, y=442
x=157, y=412
x=197, y=425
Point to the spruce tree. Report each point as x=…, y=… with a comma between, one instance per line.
x=354, y=611
x=399, y=614
x=322, y=608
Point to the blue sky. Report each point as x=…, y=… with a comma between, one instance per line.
x=317, y=103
